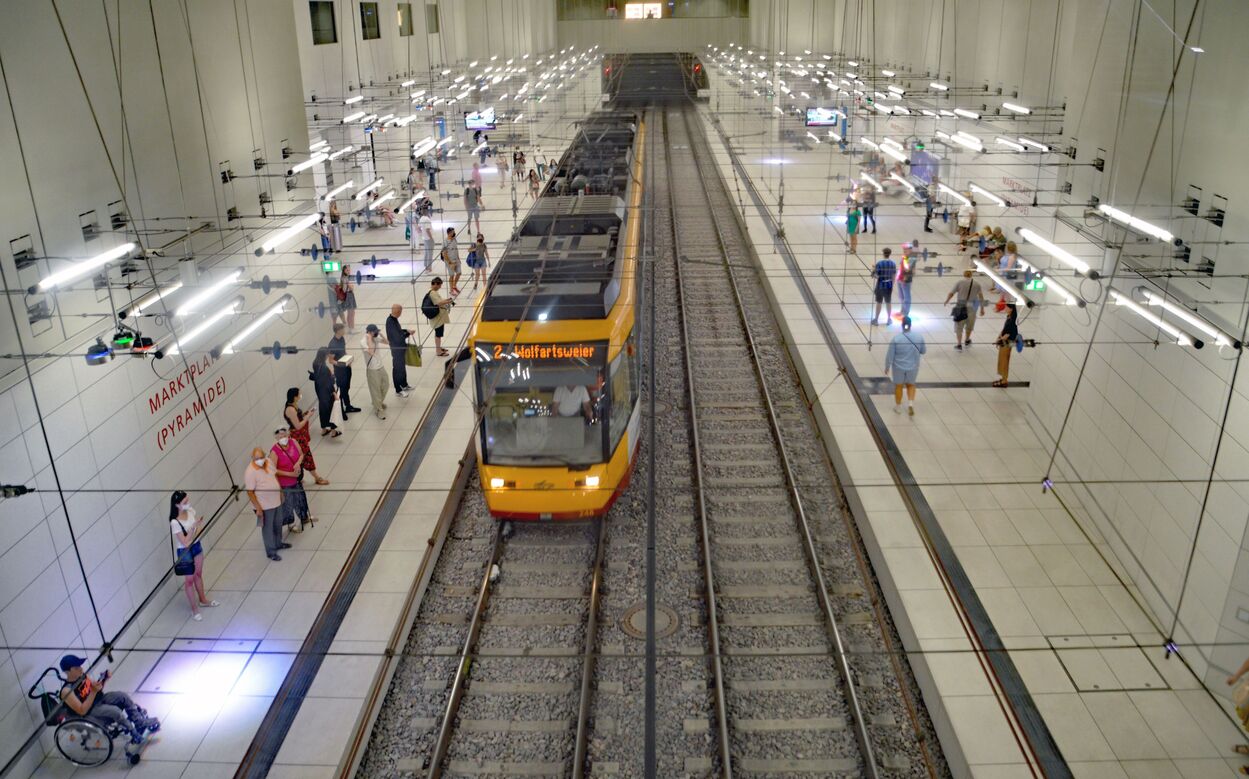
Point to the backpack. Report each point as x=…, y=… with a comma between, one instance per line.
x=428, y=307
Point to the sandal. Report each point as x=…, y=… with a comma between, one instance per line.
x=210, y=604
x=335, y=433
x=443, y=353
x=325, y=431
x=322, y=481
x=999, y=383
x=1241, y=749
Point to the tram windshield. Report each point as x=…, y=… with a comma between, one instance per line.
x=545, y=404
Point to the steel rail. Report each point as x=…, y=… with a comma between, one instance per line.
x=590, y=656
x=808, y=543
x=704, y=531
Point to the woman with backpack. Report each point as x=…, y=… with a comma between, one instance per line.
x=479, y=260
x=437, y=309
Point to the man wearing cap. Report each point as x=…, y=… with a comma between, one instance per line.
x=86, y=697
x=375, y=368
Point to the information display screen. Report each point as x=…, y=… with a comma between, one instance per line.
x=479, y=120
x=822, y=117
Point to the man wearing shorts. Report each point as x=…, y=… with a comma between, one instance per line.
x=884, y=273
x=472, y=205
x=903, y=359
x=451, y=257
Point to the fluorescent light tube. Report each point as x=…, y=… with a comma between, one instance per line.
x=86, y=266
x=213, y=290
x=1069, y=298
x=349, y=118
x=987, y=193
x=963, y=112
x=812, y=136
x=408, y=203
x=1180, y=336
x=939, y=86
x=896, y=90
x=355, y=99
x=282, y=236
x=1136, y=223
x=909, y=186
x=423, y=147
x=417, y=94
x=872, y=181
x=377, y=182
x=368, y=118
x=834, y=136
x=959, y=196
x=312, y=147
x=1018, y=109
x=1062, y=255
x=444, y=142
x=1033, y=144
x=150, y=299
x=1011, y=289
x=341, y=152
x=894, y=152
x=341, y=188
x=1009, y=143
x=1154, y=299
x=518, y=118
x=888, y=73
x=206, y=325
x=258, y=323
x=315, y=159
x=382, y=198
x=407, y=83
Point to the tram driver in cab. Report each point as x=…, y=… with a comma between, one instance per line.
x=571, y=400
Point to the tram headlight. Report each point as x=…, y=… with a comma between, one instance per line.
x=591, y=481
x=496, y=483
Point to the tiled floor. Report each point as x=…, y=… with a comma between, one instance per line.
x=212, y=682
x=1091, y=658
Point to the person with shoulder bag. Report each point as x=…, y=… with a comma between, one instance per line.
x=288, y=458
x=969, y=295
x=186, y=527
x=437, y=309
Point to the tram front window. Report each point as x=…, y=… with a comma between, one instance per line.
x=543, y=407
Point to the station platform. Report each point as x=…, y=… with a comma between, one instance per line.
x=345, y=581
x=1034, y=652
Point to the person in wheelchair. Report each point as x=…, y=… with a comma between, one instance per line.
x=86, y=697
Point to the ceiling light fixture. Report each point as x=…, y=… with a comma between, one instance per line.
x=287, y=233
x=208, y=294
x=1062, y=255
x=149, y=300
x=991, y=196
x=1220, y=338
x=314, y=160
x=341, y=152
x=206, y=325
x=1179, y=335
x=86, y=266
x=963, y=112
x=939, y=86
x=408, y=203
x=1011, y=289
x=377, y=182
x=354, y=99
x=909, y=186
x=341, y=188
x=349, y=118
x=259, y=322
x=1069, y=298
x=959, y=196
x=1018, y=109
x=1136, y=223
x=1008, y=143
x=1033, y=144
x=872, y=181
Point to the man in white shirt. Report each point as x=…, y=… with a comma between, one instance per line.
x=571, y=400
x=425, y=228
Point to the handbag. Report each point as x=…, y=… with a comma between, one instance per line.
x=471, y=259
x=183, y=562
x=412, y=356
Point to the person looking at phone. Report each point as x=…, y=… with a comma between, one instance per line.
x=86, y=697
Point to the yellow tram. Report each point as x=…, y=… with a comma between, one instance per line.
x=555, y=358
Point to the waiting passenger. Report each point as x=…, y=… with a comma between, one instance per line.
x=571, y=400
x=902, y=359
x=86, y=697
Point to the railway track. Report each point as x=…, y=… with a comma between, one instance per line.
x=803, y=673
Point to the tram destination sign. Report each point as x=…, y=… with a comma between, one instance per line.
x=550, y=351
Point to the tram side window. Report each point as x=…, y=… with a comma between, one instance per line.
x=624, y=391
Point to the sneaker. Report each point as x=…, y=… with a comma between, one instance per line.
x=874, y=322
x=284, y=545
x=910, y=410
x=197, y=617
x=277, y=558
x=958, y=347
x=380, y=415
x=897, y=409
x=402, y=393
x=888, y=321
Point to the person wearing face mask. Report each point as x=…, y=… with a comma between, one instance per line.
x=288, y=458
x=260, y=479
x=186, y=527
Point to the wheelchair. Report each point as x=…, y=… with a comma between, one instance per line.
x=82, y=741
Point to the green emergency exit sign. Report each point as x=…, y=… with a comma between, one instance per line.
x=1035, y=285
x=330, y=266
